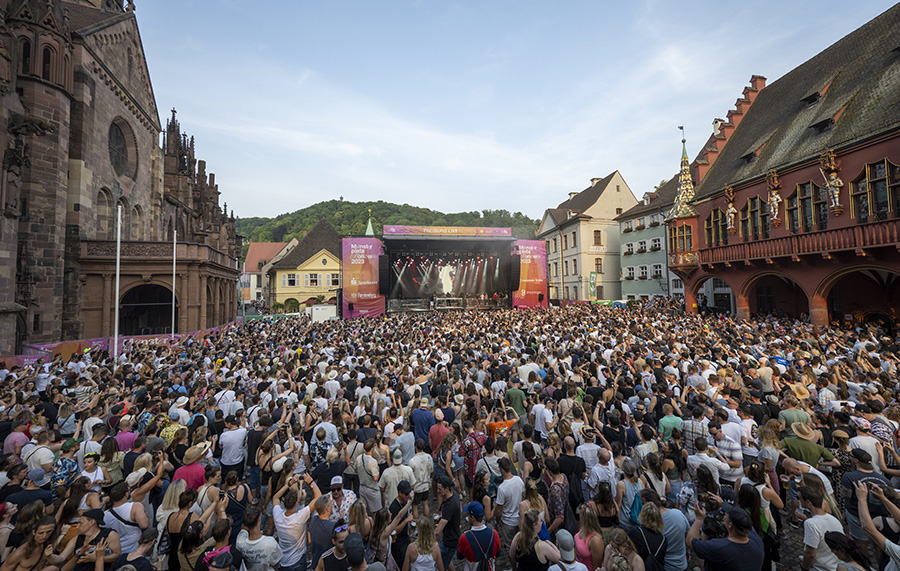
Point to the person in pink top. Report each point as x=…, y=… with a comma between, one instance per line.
x=191, y=472
x=16, y=440
x=437, y=432
x=589, y=544
x=126, y=437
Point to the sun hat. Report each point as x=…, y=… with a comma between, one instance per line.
x=861, y=423
x=839, y=434
x=800, y=391
x=278, y=465
x=195, y=452
x=181, y=401
x=804, y=431
x=587, y=432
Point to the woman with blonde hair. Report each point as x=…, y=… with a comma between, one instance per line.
x=554, y=449
x=529, y=552
x=424, y=554
x=589, y=544
x=360, y=522
x=621, y=554
x=647, y=536
x=532, y=500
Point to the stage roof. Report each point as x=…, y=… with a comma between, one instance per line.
x=447, y=232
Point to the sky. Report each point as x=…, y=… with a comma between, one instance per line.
x=461, y=106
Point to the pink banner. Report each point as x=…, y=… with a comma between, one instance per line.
x=532, y=291
x=446, y=231
x=360, y=278
x=25, y=360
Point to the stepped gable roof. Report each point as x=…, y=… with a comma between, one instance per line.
x=662, y=202
x=259, y=253
x=846, y=94
x=323, y=236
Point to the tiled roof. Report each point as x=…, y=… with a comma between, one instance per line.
x=322, y=236
x=790, y=119
x=584, y=199
x=661, y=203
x=260, y=253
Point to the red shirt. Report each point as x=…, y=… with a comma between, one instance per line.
x=436, y=434
x=192, y=474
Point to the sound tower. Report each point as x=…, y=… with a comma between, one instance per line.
x=515, y=263
x=384, y=274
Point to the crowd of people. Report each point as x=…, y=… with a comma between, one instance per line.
x=571, y=439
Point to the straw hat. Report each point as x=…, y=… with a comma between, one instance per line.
x=804, y=431
x=587, y=432
x=195, y=453
x=800, y=391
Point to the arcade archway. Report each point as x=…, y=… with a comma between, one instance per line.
x=147, y=310
x=714, y=295
x=864, y=295
x=775, y=294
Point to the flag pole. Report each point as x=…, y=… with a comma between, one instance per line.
x=174, y=256
x=118, y=278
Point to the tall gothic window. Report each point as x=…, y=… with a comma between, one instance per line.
x=716, y=229
x=876, y=192
x=118, y=150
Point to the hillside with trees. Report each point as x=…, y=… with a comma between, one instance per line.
x=350, y=218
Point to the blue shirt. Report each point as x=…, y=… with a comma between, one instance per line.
x=726, y=555
x=423, y=421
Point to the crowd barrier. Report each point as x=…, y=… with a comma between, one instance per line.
x=66, y=349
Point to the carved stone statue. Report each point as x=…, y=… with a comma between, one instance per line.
x=730, y=214
x=774, y=203
x=833, y=185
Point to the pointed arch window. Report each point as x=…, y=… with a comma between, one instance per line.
x=25, y=49
x=46, y=63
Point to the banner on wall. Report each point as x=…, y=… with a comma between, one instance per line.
x=532, y=290
x=592, y=285
x=360, y=277
x=446, y=231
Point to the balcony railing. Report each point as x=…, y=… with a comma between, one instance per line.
x=884, y=233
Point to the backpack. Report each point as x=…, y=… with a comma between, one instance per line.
x=576, y=493
x=636, y=506
x=496, y=480
x=651, y=563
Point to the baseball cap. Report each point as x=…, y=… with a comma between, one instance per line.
x=355, y=549
x=857, y=453
x=38, y=477
x=404, y=487
x=475, y=509
x=70, y=444
x=337, y=482
x=398, y=456
x=566, y=544
x=94, y=514
x=739, y=518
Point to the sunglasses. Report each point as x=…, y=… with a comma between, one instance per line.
x=338, y=530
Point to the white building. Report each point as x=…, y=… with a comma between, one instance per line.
x=582, y=237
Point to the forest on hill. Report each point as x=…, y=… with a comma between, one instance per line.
x=350, y=219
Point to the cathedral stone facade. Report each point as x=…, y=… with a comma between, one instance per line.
x=81, y=137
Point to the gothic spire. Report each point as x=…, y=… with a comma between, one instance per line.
x=683, y=207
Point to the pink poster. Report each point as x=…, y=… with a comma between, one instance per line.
x=532, y=290
x=360, y=278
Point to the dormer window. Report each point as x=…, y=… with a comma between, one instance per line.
x=811, y=99
x=823, y=126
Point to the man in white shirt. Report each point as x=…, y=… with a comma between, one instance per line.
x=588, y=450
x=509, y=494
x=716, y=466
x=291, y=523
x=234, y=447
x=817, y=556
x=261, y=552
x=603, y=471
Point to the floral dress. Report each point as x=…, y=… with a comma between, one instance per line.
x=472, y=450
x=559, y=498
x=846, y=465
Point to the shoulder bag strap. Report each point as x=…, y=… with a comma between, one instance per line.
x=120, y=518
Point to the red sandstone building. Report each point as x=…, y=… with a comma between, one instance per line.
x=795, y=200
x=81, y=137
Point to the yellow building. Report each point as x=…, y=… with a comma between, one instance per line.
x=312, y=269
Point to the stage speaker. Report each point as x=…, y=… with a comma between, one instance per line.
x=350, y=306
x=384, y=275
x=514, y=266
x=541, y=298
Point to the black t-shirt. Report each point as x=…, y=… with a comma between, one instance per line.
x=128, y=461
x=8, y=490
x=401, y=540
x=596, y=393
x=612, y=434
x=254, y=439
x=323, y=473
x=450, y=511
x=571, y=464
x=140, y=563
x=760, y=413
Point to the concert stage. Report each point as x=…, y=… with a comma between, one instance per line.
x=416, y=268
